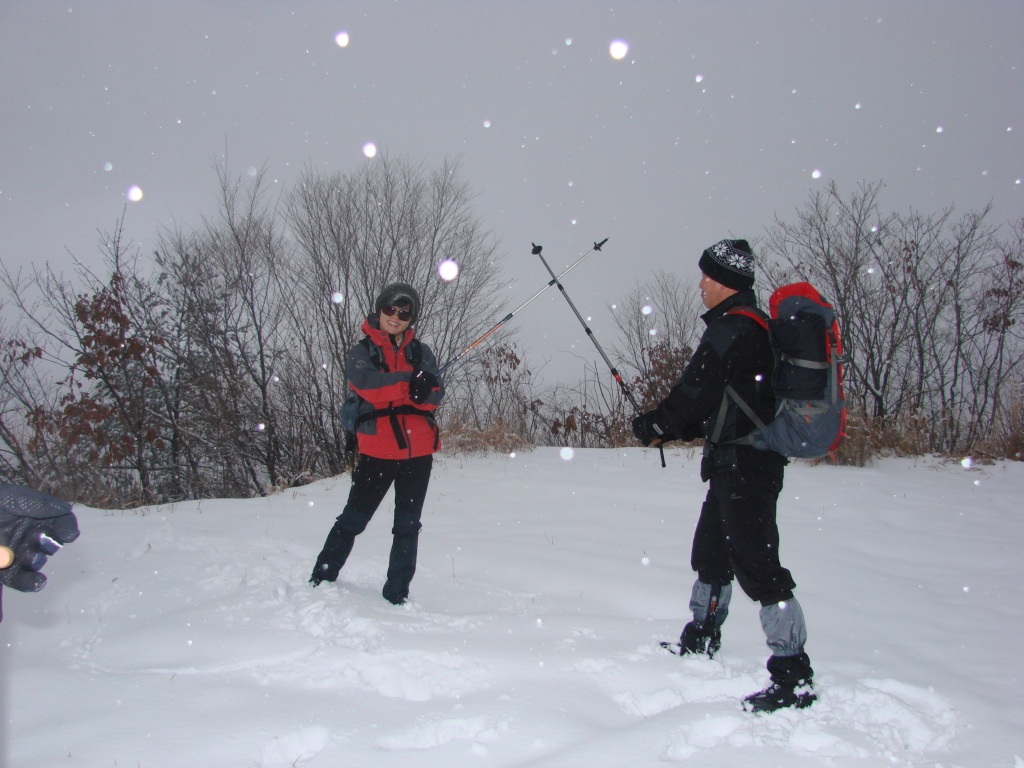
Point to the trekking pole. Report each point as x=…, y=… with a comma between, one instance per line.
x=506, y=318
x=618, y=377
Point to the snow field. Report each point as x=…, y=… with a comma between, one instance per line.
x=187, y=634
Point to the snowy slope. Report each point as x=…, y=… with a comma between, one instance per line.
x=186, y=635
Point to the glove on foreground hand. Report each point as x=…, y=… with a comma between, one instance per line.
x=421, y=384
x=34, y=525
x=647, y=430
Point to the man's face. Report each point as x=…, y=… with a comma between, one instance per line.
x=713, y=293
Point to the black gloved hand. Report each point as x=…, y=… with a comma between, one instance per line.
x=647, y=430
x=33, y=525
x=421, y=384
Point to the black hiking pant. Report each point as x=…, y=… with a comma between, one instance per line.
x=737, y=534
x=370, y=482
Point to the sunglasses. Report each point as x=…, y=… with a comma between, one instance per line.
x=404, y=315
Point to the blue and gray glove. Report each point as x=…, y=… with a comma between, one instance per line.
x=33, y=526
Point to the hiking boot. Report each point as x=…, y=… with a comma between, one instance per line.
x=323, y=572
x=695, y=640
x=395, y=595
x=776, y=697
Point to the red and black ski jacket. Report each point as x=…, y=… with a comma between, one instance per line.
x=398, y=428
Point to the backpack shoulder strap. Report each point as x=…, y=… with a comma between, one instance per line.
x=755, y=314
x=759, y=317
x=414, y=353
x=374, y=352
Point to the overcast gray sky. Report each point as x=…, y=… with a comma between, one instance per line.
x=721, y=115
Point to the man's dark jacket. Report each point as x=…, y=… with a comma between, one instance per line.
x=734, y=350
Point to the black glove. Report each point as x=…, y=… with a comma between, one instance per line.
x=421, y=384
x=647, y=430
x=33, y=525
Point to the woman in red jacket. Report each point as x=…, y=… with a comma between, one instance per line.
x=396, y=377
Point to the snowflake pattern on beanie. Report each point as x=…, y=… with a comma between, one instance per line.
x=726, y=254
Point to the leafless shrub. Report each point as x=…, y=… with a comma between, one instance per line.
x=223, y=373
x=930, y=308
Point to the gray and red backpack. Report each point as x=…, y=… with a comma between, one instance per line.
x=810, y=412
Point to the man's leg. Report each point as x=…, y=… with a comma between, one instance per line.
x=789, y=666
x=709, y=603
x=786, y=634
x=749, y=498
x=712, y=591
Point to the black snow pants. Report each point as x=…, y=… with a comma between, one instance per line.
x=370, y=482
x=737, y=534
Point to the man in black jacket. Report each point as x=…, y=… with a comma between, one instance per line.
x=736, y=534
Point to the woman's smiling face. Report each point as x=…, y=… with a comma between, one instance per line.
x=393, y=323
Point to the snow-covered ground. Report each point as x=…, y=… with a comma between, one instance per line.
x=187, y=635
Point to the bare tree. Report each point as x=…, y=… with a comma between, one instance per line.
x=227, y=281
x=834, y=244
x=21, y=393
x=223, y=375
x=929, y=307
x=107, y=412
x=391, y=220
x=995, y=339
x=659, y=327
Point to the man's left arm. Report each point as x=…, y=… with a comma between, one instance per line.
x=699, y=391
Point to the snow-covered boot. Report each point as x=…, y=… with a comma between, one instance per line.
x=791, y=685
x=696, y=640
x=709, y=603
x=332, y=557
x=323, y=571
x=776, y=697
x=402, y=564
x=789, y=667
